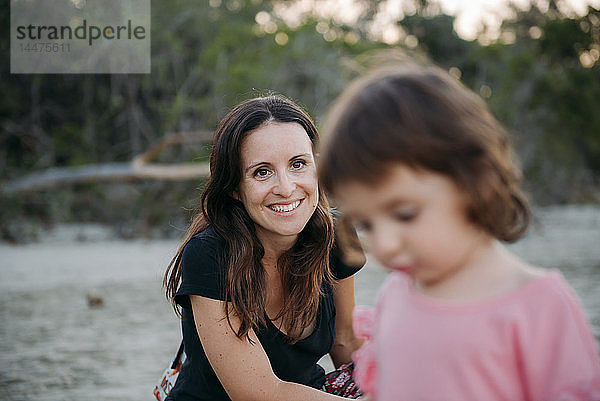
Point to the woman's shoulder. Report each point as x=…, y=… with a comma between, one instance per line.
x=208, y=236
x=347, y=256
x=206, y=243
x=202, y=267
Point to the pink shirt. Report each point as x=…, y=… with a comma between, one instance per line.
x=532, y=344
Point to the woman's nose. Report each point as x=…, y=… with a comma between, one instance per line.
x=285, y=185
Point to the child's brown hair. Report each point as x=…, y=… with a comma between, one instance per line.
x=422, y=118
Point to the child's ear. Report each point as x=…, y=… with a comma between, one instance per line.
x=235, y=195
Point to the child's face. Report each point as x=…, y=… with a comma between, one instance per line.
x=415, y=222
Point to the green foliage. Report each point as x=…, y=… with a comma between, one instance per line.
x=544, y=86
x=438, y=38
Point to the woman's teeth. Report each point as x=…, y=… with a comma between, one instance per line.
x=285, y=208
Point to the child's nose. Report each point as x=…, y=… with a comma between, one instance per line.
x=386, y=244
x=285, y=185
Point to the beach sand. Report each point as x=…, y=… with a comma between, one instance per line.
x=55, y=346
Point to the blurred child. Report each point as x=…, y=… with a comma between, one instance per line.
x=427, y=176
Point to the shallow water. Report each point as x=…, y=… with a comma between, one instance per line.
x=53, y=346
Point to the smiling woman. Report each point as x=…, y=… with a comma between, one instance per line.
x=279, y=185
x=259, y=281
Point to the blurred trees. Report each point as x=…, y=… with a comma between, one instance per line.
x=541, y=77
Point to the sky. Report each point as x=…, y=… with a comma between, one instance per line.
x=470, y=14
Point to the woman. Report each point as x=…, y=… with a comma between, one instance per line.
x=262, y=290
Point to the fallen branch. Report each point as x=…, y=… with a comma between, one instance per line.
x=56, y=176
x=137, y=169
x=170, y=140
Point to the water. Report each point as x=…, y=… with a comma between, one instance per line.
x=53, y=346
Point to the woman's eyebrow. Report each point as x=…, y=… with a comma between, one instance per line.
x=255, y=164
x=307, y=155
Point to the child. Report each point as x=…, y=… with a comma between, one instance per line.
x=426, y=174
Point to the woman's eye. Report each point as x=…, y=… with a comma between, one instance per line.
x=262, y=173
x=298, y=164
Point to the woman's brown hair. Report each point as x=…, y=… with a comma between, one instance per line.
x=303, y=267
x=421, y=117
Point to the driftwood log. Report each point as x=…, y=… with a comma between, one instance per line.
x=139, y=168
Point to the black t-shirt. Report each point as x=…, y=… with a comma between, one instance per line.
x=203, y=273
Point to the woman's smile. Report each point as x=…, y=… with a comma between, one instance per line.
x=285, y=208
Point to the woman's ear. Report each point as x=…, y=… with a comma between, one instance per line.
x=235, y=195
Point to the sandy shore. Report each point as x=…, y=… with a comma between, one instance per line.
x=56, y=347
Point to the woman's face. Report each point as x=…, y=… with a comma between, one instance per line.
x=279, y=182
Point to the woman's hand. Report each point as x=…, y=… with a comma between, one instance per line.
x=243, y=367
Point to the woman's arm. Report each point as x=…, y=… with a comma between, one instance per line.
x=243, y=368
x=345, y=341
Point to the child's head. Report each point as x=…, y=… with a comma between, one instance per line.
x=421, y=118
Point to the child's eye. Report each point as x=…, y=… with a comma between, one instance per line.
x=262, y=173
x=298, y=164
x=406, y=215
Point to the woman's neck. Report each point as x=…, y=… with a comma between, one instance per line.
x=275, y=245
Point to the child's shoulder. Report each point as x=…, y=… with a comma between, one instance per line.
x=539, y=285
x=527, y=272
x=522, y=281
x=553, y=318
x=545, y=281
x=547, y=297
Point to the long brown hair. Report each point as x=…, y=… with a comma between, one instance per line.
x=421, y=117
x=303, y=267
